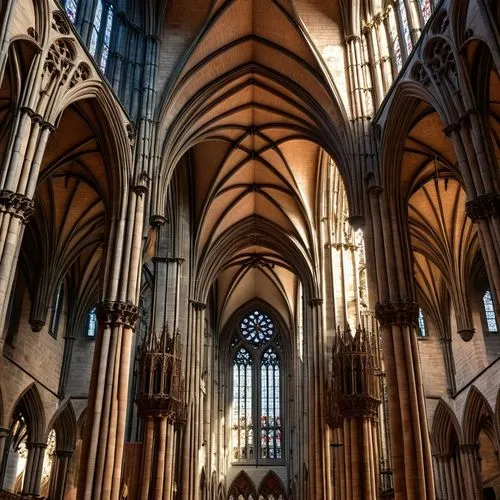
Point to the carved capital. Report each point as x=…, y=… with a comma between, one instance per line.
x=118, y=313
x=397, y=312
x=315, y=301
x=483, y=207
x=18, y=205
x=199, y=306
x=157, y=220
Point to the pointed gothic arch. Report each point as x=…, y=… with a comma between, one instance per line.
x=242, y=488
x=477, y=413
x=30, y=405
x=271, y=487
x=445, y=429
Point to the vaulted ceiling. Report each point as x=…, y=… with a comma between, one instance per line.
x=252, y=108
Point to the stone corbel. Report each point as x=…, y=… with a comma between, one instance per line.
x=397, y=312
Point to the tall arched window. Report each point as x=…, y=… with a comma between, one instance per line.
x=91, y=327
x=395, y=43
x=101, y=33
x=489, y=312
x=405, y=26
x=257, y=390
x=421, y=324
x=96, y=28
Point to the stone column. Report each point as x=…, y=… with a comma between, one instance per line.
x=469, y=458
x=314, y=398
x=397, y=313
x=4, y=434
x=18, y=181
x=102, y=453
x=193, y=433
x=59, y=474
x=33, y=470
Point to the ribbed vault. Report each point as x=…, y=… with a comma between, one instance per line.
x=252, y=108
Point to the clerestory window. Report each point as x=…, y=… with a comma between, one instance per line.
x=421, y=324
x=91, y=327
x=257, y=390
x=489, y=312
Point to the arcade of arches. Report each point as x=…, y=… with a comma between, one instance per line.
x=250, y=249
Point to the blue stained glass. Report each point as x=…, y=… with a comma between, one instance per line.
x=489, y=312
x=96, y=28
x=92, y=323
x=71, y=6
x=421, y=324
x=107, y=39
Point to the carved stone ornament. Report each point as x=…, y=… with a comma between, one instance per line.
x=483, y=207
x=118, y=313
x=18, y=205
x=359, y=405
x=466, y=334
x=397, y=312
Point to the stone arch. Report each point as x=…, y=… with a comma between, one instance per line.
x=445, y=426
x=271, y=486
x=65, y=425
x=30, y=405
x=476, y=410
x=242, y=488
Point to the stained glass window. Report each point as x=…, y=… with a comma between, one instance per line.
x=425, y=7
x=71, y=6
x=243, y=444
x=395, y=43
x=421, y=324
x=406, y=28
x=92, y=323
x=257, y=328
x=489, y=312
x=270, y=420
x=56, y=311
x=256, y=412
x=106, y=39
x=96, y=26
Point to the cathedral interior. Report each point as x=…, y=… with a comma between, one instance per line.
x=250, y=249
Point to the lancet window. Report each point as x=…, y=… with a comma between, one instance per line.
x=101, y=33
x=257, y=390
x=489, y=312
x=91, y=327
x=422, y=332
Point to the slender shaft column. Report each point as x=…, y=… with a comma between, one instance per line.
x=160, y=458
x=315, y=397
x=59, y=474
x=102, y=454
x=169, y=462
x=147, y=457
x=192, y=435
x=33, y=471
x=471, y=470
x=4, y=434
x=397, y=314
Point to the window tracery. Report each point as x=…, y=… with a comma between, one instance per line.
x=257, y=389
